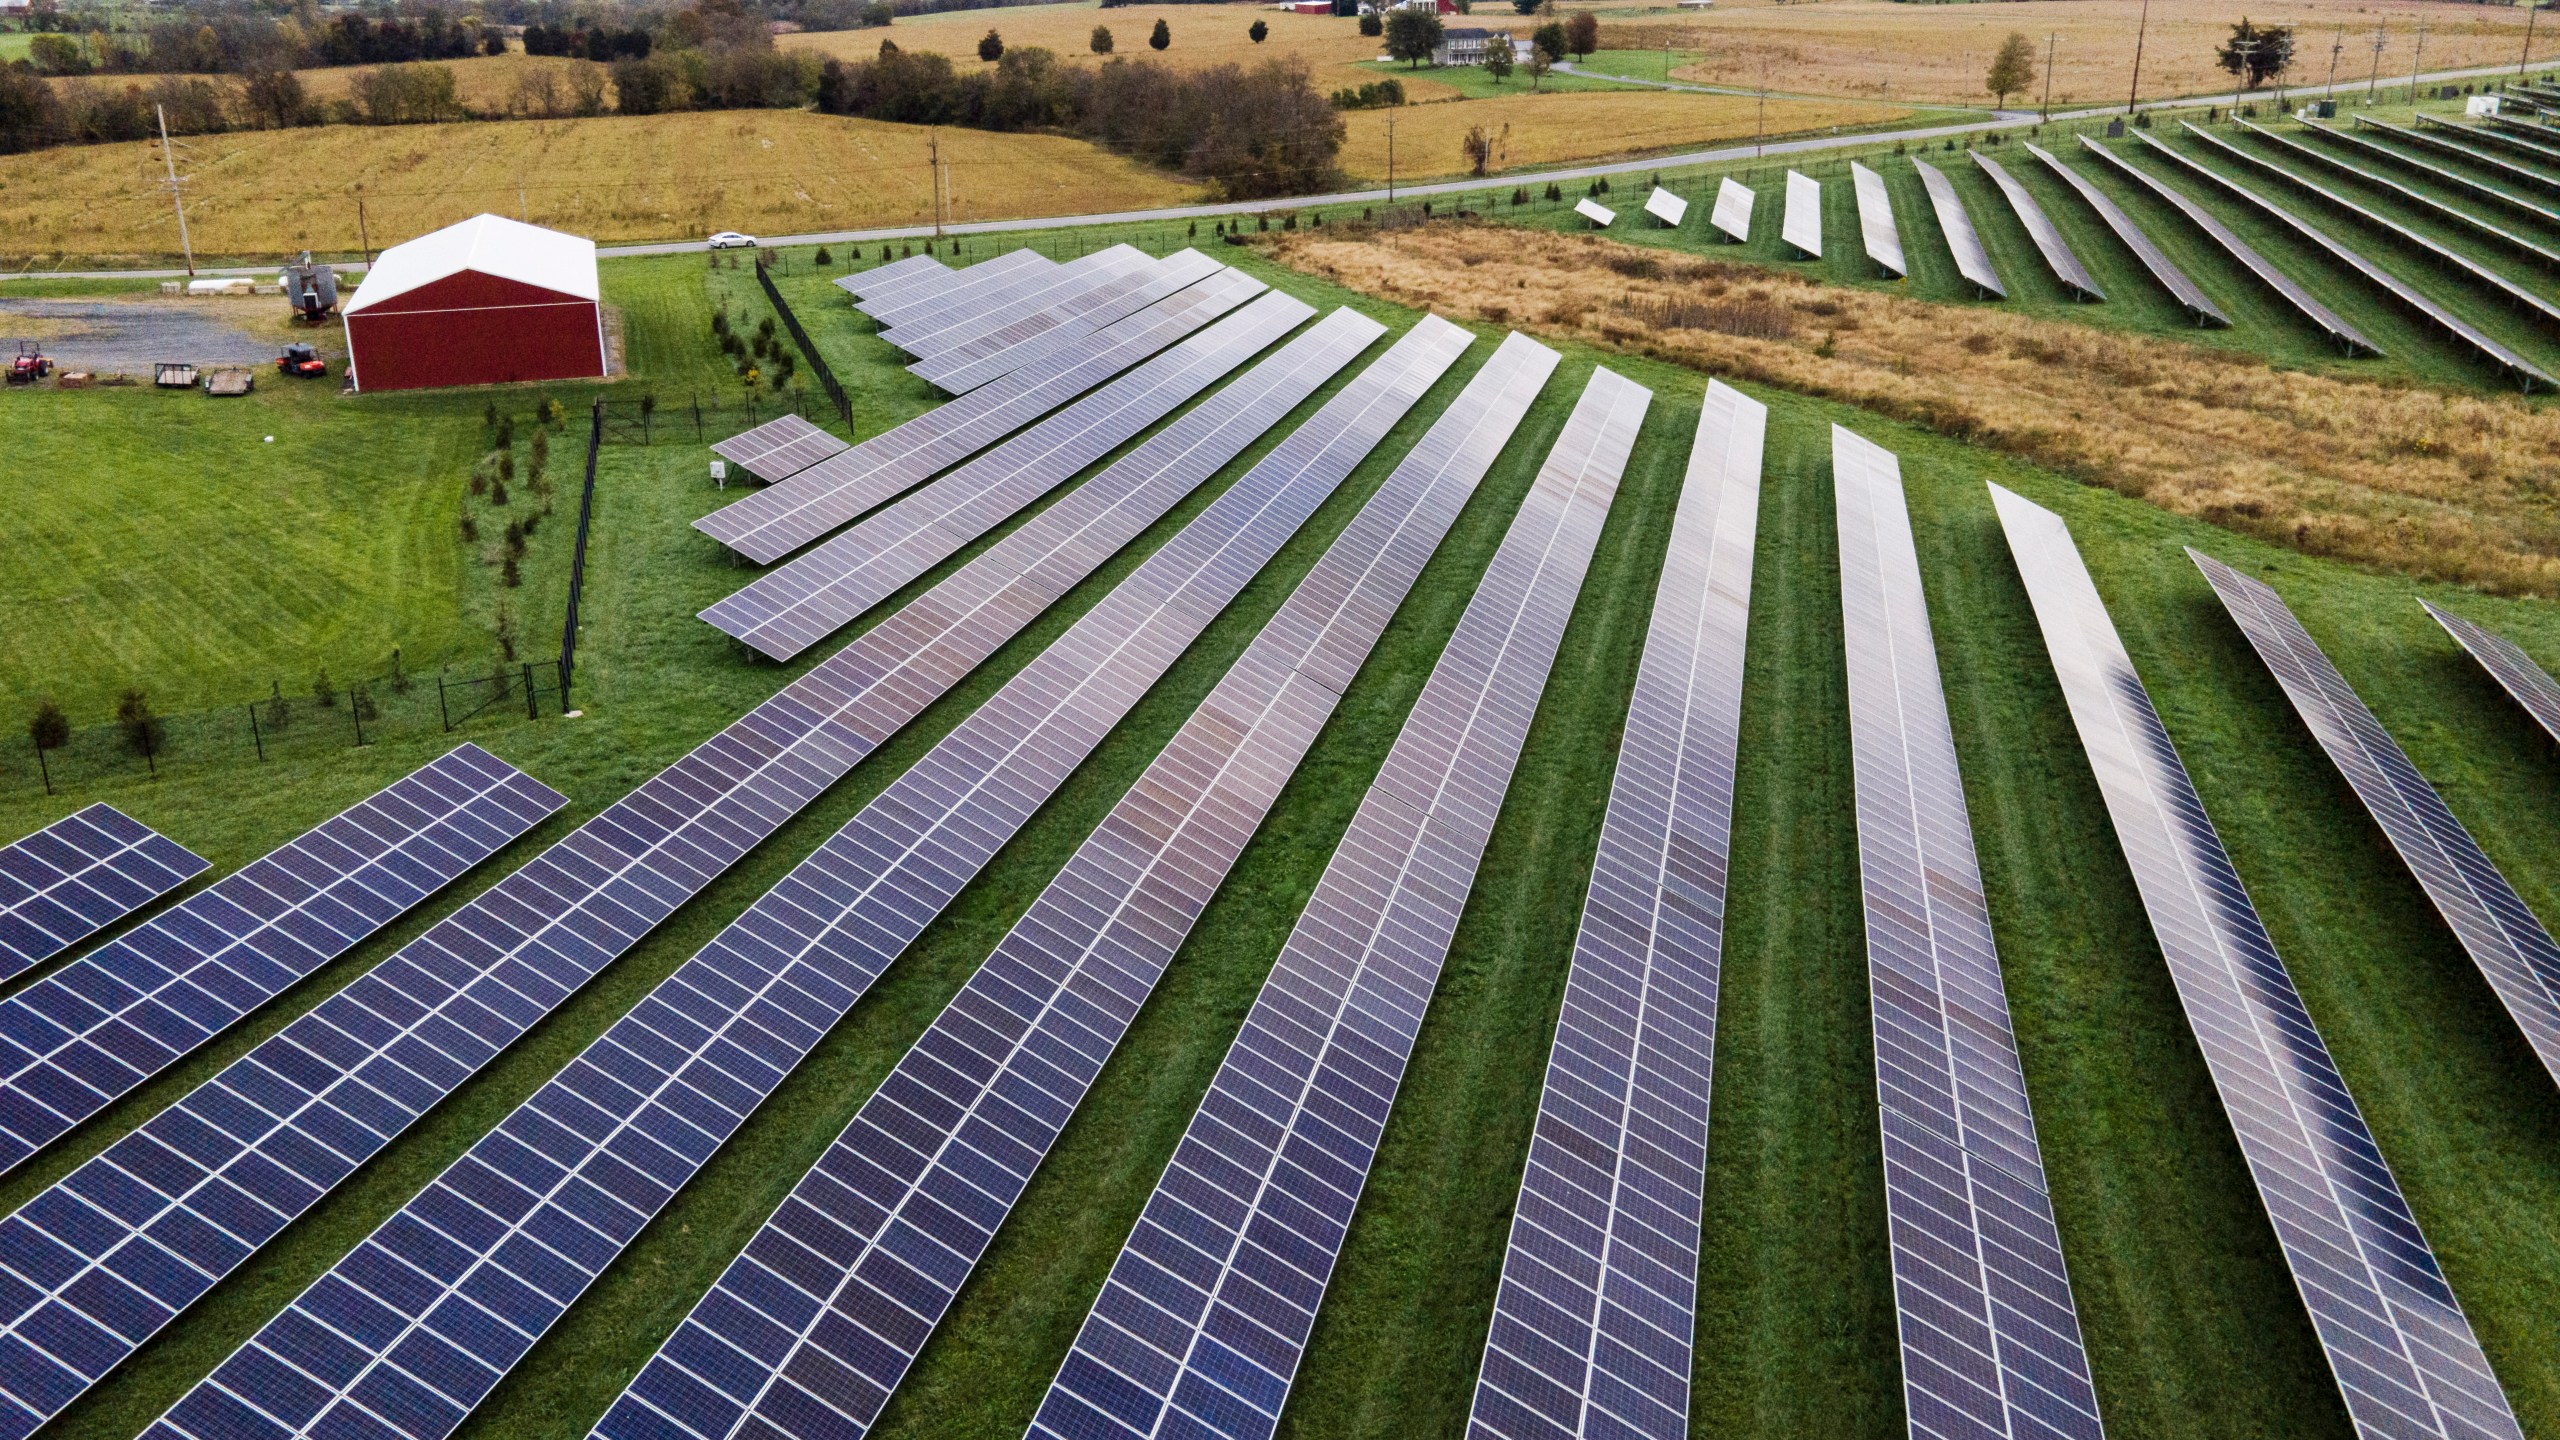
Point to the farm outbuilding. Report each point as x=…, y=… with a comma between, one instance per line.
x=483, y=302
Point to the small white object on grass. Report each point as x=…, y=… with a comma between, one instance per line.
x=271, y=439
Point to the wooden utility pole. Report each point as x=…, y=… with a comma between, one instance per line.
x=1391, y=157
x=177, y=201
x=2530, y=7
x=2414, y=55
x=2141, y=31
x=364, y=234
x=2044, y=107
x=933, y=159
x=1760, y=133
x=2376, y=76
x=2337, y=47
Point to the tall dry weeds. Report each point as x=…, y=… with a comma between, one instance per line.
x=2433, y=484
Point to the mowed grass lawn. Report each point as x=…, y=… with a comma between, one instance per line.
x=2193, y=1322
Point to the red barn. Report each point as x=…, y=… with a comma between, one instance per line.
x=480, y=303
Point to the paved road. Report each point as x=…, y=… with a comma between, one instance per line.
x=1722, y=155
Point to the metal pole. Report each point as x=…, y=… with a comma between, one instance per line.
x=2134, y=96
x=169, y=157
x=255, y=738
x=45, y=770
x=442, y=713
x=528, y=692
x=355, y=712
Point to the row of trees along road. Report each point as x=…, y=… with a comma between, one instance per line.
x=2255, y=53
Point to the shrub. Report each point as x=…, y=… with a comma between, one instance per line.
x=399, y=673
x=48, y=727
x=279, y=716
x=1372, y=25
x=360, y=700
x=144, y=735
x=322, y=691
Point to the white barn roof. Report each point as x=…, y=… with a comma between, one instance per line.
x=490, y=245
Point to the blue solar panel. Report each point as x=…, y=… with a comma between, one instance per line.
x=79, y=875
x=1201, y=1325
x=2527, y=683
x=1592, y=1322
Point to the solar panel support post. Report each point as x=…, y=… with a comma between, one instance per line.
x=577, y=565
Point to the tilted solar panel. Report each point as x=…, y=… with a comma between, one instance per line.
x=1972, y=261
x=2472, y=145
x=813, y=1326
x=1666, y=207
x=2397, y=1342
x=2513, y=950
x=1876, y=228
x=1800, y=224
x=2172, y=279
x=963, y=287
x=1593, y=1321
x=1077, y=321
x=1732, y=214
x=2453, y=214
x=2066, y=267
x=802, y=603
x=1990, y=1339
x=2525, y=137
x=79, y=875
x=2349, y=338
x=2527, y=683
x=1201, y=1324
x=779, y=448
x=592, y=1157
x=771, y=524
x=1598, y=214
x=935, y=333
x=881, y=281
x=2364, y=144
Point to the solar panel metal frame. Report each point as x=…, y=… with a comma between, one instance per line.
x=2397, y=1342
x=1876, y=228
x=2519, y=135
x=1732, y=213
x=1956, y=224
x=1990, y=1337
x=2349, y=338
x=1800, y=224
x=1038, y=315
x=767, y=526
x=1028, y=294
x=1595, y=212
x=881, y=281
x=1589, y=1316
x=2497, y=929
x=608, y=1141
x=2058, y=257
x=2525, y=682
x=1096, y=310
x=79, y=875
x=1367, y=948
x=779, y=448
x=964, y=286
x=2355, y=139
x=2181, y=288
x=1006, y=1064
x=2497, y=353
x=1666, y=207
x=2452, y=213
x=2436, y=134
x=786, y=611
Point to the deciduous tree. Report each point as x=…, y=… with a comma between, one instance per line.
x=2257, y=53
x=991, y=49
x=1101, y=41
x=1413, y=34
x=1258, y=32
x=1160, y=37
x=1582, y=34
x=2013, y=69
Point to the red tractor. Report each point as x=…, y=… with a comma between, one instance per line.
x=31, y=365
x=301, y=360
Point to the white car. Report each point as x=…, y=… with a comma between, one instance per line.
x=732, y=240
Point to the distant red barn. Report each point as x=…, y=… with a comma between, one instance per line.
x=483, y=302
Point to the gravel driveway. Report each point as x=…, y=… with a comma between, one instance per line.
x=130, y=336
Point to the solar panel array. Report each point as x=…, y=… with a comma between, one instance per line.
x=414, y=1326
x=2513, y=950
x=2440, y=135
x=812, y=1327
x=1990, y=1339
x=2066, y=267
x=1595, y=212
x=2163, y=269
x=963, y=287
x=1732, y=212
x=2364, y=144
x=1972, y=261
x=1204, y=1317
x=916, y=272
x=771, y=524
x=2527, y=683
x=779, y=448
x=1034, y=290
x=2452, y=214
x=802, y=603
x=1800, y=224
x=1593, y=1321
x=2327, y=320
x=2523, y=136
x=1069, y=297
x=79, y=875
x=2445, y=320
x=1876, y=228
x=2403, y=1354
x=964, y=368
x=1666, y=207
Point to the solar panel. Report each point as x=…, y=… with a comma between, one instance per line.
x=881, y=281
x=2438, y=135
x=812, y=1328
x=1200, y=1327
x=779, y=448
x=2463, y=330
x=1990, y=1340
x=1593, y=1321
x=1800, y=225
x=2349, y=338
x=768, y=525
x=1732, y=214
x=605, y=1144
x=1032, y=291
x=1875, y=222
x=2525, y=137
x=2186, y=292
x=2453, y=214
x=79, y=875
x=960, y=371
x=2527, y=683
x=2495, y=926
x=1972, y=261
x=963, y=287
x=1601, y=216
x=2362, y=143
x=1666, y=207
x=2403, y=1354
x=802, y=603
x=87, y=1034
x=2066, y=267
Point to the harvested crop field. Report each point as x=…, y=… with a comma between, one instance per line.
x=1551, y=129
x=488, y=84
x=613, y=177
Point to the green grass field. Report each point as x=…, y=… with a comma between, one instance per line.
x=2192, y=1320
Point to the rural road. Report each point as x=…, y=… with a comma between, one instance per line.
x=1802, y=145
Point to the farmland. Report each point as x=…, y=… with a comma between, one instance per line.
x=1532, y=130
x=1332, y=48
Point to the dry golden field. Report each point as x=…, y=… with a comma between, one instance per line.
x=1548, y=129
x=486, y=83
x=614, y=178
x=1884, y=50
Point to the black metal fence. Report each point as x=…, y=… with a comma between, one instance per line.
x=808, y=349
x=578, y=557
x=696, y=419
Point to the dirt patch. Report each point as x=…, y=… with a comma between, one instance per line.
x=128, y=337
x=2429, y=483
